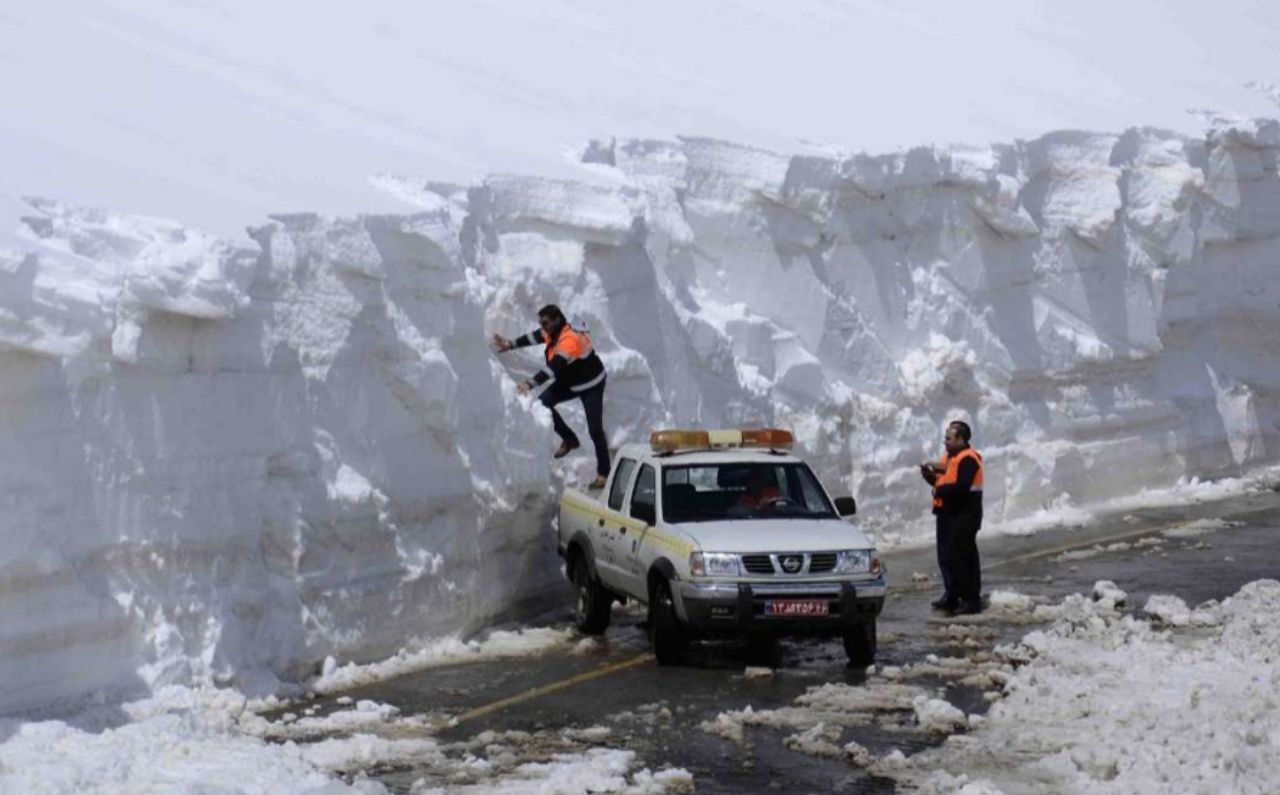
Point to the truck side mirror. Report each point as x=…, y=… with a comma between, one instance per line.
x=846, y=506
x=645, y=512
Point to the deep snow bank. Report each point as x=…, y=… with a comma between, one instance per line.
x=219, y=460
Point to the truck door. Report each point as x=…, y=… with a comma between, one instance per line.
x=608, y=527
x=630, y=542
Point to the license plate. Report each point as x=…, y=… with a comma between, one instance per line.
x=796, y=607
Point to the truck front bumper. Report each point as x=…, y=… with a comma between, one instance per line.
x=711, y=609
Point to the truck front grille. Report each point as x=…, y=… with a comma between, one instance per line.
x=822, y=561
x=757, y=564
x=819, y=563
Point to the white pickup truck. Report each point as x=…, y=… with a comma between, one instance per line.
x=721, y=534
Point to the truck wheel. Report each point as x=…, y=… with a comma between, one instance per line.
x=860, y=644
x=665, y=633
x=592, y=608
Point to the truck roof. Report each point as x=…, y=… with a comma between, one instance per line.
x=718, y=456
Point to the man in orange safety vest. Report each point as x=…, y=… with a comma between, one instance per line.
x=957, y=482
x=573, y=371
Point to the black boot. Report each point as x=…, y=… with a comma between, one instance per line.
x=945, y=602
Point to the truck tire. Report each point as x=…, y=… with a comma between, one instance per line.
x=860, y=644
x=594, y=604
x=670, y=642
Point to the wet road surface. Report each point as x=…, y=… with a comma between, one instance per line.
x=657, y=712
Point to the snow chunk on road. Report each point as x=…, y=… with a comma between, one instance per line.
x=598, y=770
x=367, y=751
x=857, y=754
x=938, y=716
x=820, y=740
x=1011, y=601
x=1108, y=595
x=1171, y=610
x=368, y=717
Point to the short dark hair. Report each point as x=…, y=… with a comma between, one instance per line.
x=551, y=312
x=962, y=429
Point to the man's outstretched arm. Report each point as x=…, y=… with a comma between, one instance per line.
x=523, y=341
x=532, y=338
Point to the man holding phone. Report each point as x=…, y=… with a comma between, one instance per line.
x=957, y=507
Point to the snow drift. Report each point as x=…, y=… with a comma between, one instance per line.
x=1104, y=703
x=224, y=462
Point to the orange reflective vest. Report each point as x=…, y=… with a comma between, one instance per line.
x=571, y=344
x=951, y=472
x=578, y=367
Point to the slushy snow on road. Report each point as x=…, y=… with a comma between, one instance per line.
x=1117, y=704
x=1099, y=701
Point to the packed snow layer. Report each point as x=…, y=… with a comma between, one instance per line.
x=227, y=462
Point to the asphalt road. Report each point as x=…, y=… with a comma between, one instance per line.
x=656, y=712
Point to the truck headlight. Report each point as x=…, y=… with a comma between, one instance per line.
x=854, y=561
x=713, y=564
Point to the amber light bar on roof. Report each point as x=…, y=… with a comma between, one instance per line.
x=674, y=441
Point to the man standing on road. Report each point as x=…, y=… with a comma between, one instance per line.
x=573, y=371
x=957, y=507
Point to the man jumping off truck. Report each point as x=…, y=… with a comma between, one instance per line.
x=574, y=371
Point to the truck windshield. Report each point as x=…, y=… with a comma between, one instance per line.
x=708, y=492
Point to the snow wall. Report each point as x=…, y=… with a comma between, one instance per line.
x=222, y=462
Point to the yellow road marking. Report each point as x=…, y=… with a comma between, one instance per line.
x=1044, y=553
x=554, y=687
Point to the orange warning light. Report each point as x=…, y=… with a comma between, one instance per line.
x=773, y=438
x=671, y=441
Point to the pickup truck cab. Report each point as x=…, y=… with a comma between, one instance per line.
x=721, y=534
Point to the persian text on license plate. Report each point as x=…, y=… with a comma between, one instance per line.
x=796, y=607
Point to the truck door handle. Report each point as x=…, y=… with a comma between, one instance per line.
x=623, y=529
x=600, y=522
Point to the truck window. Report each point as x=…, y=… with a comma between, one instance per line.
x=620, y=480
x=646, y=490
x=741, y=490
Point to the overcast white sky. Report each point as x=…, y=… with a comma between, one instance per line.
x=217, y=112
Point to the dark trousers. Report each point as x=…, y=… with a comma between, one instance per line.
x=962, y=577
x=593, y=405
x=944, y=558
